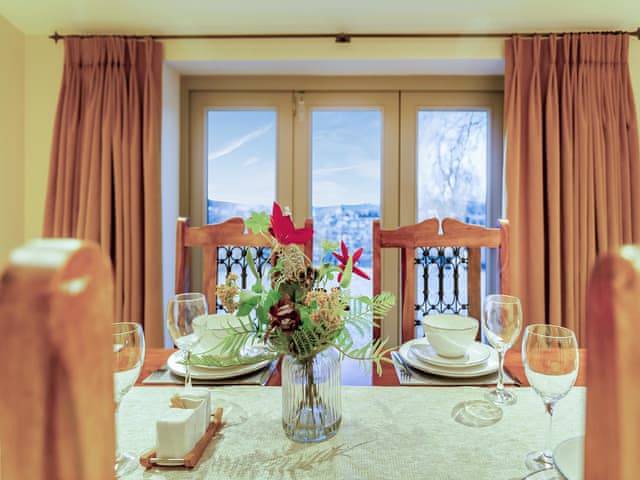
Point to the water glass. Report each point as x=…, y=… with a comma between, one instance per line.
x=501, y=324
x=128, y=356
x=550, y=357
x=182, y=310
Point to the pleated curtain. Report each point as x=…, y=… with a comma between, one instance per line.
x=572, y=167
x=104, y=174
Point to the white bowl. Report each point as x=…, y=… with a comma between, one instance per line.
x=214, y=328
x=450, y=334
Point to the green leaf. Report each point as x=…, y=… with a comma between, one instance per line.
x=328, y=246
x=272, y=298
x=252, y=266
x=258, y=222
x=230, y=360
x=246, y=296
x=366, y=300
x=261, y=314
x=346, y=274
x=245, y=307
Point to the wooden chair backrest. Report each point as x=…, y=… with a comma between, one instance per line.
x=613, y=370
x=57, y=407
x=426, y=234
x=210, y=237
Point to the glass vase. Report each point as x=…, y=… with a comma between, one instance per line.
x=311, y=396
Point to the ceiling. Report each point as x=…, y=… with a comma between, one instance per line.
x=43, y=17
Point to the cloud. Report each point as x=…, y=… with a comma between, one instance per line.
x=326, y=193
x=369, y=169
x=250, y=161
x=239, y=142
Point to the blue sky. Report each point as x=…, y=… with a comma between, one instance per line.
x=241, y=154
x=345, y=156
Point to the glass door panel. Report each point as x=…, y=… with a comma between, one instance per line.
x=345, y=136
x=241, y=162
x=453, y=159
x=451, y=182
x=346, y=168
x=452, y=164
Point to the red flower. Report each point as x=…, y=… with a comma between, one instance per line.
x=344, y=258
x=284, y=231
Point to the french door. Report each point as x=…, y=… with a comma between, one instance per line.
x=346, y=158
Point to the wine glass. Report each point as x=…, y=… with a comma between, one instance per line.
x=182, y=309
x=550, y=357
x=128, y=352
x=501, y=323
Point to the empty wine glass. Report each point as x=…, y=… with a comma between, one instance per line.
x=182, y=310
x=128, y=352
x=501, y=323
x=550, y=357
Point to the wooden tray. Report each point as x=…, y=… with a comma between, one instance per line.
x=192, y=458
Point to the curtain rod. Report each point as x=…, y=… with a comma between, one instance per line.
x=338, y=37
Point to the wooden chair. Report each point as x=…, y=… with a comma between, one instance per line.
x=57, y=410
x=613, y=370
x=426, y=234
x=225, y=235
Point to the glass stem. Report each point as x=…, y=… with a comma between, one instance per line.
x=115, y=416
x=547, y=452
x=187, y=381
x=500, y=385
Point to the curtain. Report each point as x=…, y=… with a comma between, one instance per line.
x=104, y=174
x=572, y=167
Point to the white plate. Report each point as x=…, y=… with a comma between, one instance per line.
x=569, y=457
x=211, y=373
x=490, y=366
x=207, y=343
x=246, y=351
x=476, y=354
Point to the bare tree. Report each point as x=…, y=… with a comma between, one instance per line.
x=452, y=142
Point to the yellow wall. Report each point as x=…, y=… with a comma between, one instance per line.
x=43, y=64
x=327, y=49
x=634, y=66
x=12, y=89
x=43, y=67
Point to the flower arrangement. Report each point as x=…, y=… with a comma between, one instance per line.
x=303, y=309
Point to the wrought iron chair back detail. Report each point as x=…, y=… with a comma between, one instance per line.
x=233, y=259
x=444, y=262
x=441, y=271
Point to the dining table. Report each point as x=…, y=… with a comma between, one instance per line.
x=388, y=430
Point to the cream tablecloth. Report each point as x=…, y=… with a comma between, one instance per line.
x=387, y=433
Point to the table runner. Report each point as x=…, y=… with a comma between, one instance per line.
x=387, y=433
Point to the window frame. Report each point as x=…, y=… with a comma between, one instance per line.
x=200, y=104
x=198, y=93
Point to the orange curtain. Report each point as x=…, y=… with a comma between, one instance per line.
x=104, y=174
x=572, y=167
